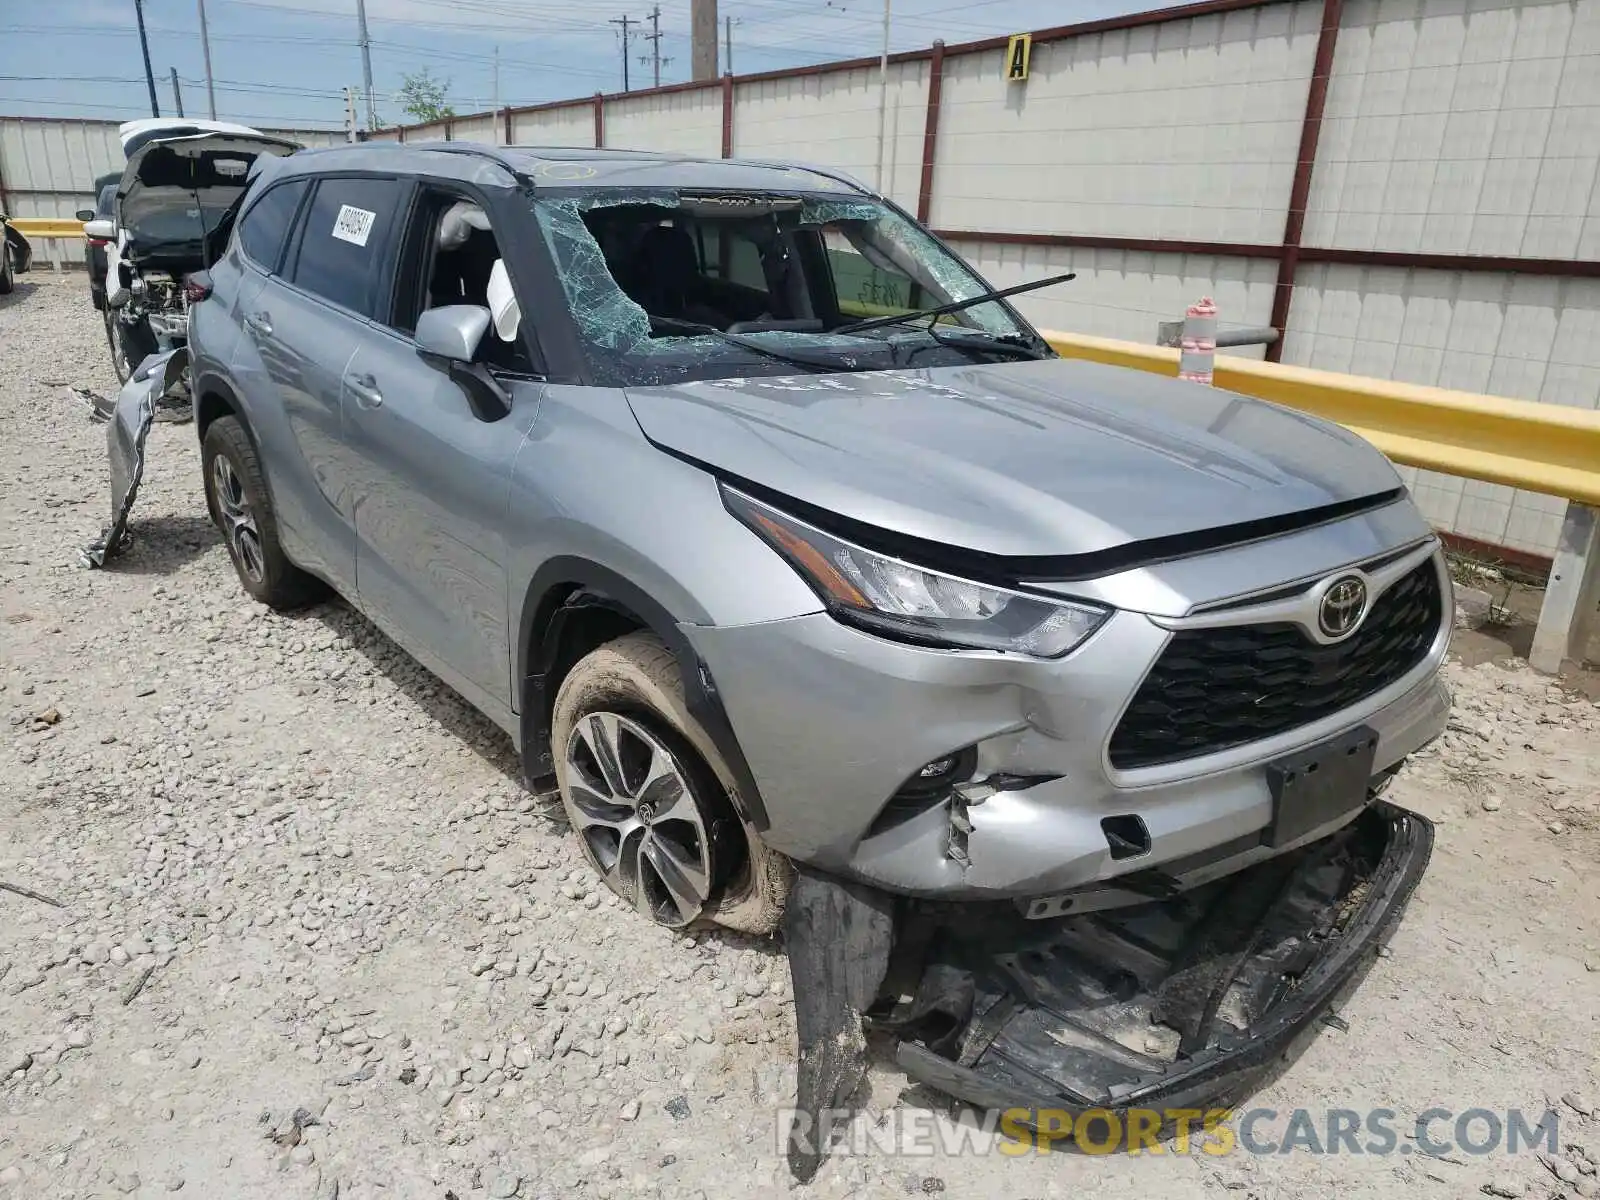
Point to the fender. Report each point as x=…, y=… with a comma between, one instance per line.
x=539, y=636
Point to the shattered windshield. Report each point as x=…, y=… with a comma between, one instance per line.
x=668, y=285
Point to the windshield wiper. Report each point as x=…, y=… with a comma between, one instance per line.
x=954, y=305
x=1008, y=345
x=755, y=347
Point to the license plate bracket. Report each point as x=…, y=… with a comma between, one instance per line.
x=1320, y=784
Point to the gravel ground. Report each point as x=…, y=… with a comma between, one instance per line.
x=316, y=941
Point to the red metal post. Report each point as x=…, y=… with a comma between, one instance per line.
x=1300, y=189
x=930, y=132
x=727, y=115
x=599, y=120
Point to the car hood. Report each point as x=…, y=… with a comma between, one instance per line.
x=174, y=174
x=1057, y=457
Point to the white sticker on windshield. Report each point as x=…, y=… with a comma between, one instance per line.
x=353, y=224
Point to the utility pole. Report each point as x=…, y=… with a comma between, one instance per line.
x=654, y=38
x=703, y=39
x=624, y=22
x=366, y=63
x=728, y=23
x=498, y=126
x=883, y=91
x=144, y=47
x=350, y=114
x=205, y=48
x=177, y=96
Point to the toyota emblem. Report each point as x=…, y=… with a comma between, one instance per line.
x=1343, y=605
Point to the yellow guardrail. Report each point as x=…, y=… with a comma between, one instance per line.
x=1547, y=448
x=47, y=227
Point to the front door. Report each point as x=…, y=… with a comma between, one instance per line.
x=430, y=512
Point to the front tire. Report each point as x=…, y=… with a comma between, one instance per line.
x=8, y=278
x=647, y=795
x=236, y=494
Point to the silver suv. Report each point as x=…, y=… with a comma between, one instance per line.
x=740, y=503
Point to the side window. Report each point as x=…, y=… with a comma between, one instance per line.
x=728, y=254
x=862, y=288
x=455, y=251
x=344, y=238
x=264, y=229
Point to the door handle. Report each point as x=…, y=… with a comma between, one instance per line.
x=364, y=387
x=259, y=323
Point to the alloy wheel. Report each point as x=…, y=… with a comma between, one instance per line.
x=639, y=819
x=238, y=519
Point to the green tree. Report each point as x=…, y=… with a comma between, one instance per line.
x=423, y=96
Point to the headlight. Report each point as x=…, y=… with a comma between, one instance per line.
x=891, y=597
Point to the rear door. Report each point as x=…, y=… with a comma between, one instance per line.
x=300, y=331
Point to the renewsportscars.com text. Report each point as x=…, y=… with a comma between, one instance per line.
x=913, y=1132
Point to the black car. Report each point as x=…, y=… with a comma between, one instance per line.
x=16, y=255
x=105, y=207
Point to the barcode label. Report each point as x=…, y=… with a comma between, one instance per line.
x=353, y=224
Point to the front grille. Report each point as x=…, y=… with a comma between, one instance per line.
x=1216, y=688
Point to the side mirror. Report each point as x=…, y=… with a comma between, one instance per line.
x=452, y=331
x=451, y=334
x=100, y=229
x=85, y=214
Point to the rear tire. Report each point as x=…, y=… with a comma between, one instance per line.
x=236, y=494
x=632, y=686
x=130, y=344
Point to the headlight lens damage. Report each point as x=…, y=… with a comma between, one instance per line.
x=896, y=599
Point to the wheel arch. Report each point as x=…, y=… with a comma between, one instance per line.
x=214, y=398
x=574, y=604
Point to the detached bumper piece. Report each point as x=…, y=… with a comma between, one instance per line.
x=129, y=426
x=1186, y=1002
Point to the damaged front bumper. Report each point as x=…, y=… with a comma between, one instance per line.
x=128, y=428
x=1182, y=1003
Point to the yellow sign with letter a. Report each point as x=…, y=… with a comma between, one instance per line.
x=1017, y=54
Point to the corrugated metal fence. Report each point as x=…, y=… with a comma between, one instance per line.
x=48, y=165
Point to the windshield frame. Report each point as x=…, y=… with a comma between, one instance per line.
x=714, y=358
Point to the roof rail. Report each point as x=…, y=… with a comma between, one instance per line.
x=825, y=172
x=472, y=150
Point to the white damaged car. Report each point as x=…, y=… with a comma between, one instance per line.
x=181, y=179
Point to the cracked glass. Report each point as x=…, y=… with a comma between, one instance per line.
x=671, y=285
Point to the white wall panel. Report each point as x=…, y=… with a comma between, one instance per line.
x=1186, y=130
x=832, y=120
x=57, y=156
x=484, y=128
x=1127, y=293
x=1462, y=127
x=432, y=132
x=1528, y=337
x=569, y=126
x=687, y=122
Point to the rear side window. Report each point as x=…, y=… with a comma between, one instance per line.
x=264, y=229
x=344, y=239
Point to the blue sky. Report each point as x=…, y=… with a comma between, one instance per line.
x=284, y=62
